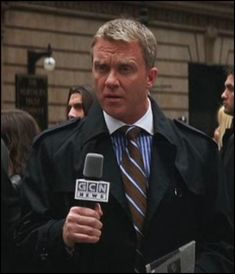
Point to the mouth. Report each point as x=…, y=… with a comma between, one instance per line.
x=112, y=98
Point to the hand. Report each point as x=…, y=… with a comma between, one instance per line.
x=82, y=225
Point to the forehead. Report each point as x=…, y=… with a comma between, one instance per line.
x=75, y=97
x=230, y=80
x=107, y=49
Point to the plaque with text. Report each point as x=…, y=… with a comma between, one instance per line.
x=32, y=96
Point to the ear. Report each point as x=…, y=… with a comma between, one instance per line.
x=151, y=77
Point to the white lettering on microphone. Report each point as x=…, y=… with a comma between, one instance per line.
x=97, y=191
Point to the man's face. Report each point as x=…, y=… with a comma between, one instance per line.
x=76, y=107
x=122, y=79
x=228, y=95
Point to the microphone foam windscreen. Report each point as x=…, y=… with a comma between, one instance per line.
x=93, y=166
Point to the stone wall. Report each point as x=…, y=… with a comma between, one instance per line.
x=186, y=31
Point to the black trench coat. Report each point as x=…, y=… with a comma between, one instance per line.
x=187, y=199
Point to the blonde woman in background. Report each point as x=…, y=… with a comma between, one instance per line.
x=224, y=121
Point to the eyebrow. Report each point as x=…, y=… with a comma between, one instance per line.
x=121, y=62
x=77, y=104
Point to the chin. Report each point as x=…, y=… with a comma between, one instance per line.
x=113, y=113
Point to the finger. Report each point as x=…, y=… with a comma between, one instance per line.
x=89, y=221
x=89, y=231
x=98, y=209
x=85, y=211
x=83, y=238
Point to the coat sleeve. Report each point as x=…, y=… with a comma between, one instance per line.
x=39, y=234
x=206, y=176
x=215, y=251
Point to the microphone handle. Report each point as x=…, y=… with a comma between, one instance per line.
x=89, y=204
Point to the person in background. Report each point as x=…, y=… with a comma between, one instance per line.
x=10, y=214
x=224, y=122
x=18, y=130
x=80, y=99
x=227, y=150
x=173, y=169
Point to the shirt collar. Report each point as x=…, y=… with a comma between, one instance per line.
x=145, y=122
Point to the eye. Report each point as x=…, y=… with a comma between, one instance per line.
x=230, y=88
x=125, y=69
x=78, y=106
x=101, y=68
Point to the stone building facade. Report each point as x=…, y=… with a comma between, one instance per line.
x=186, y=31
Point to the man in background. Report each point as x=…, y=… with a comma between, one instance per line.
x=227, y=151
x=80, y=99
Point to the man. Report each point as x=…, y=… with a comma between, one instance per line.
x=185, y=197
x=80, y=99
x=227, y=151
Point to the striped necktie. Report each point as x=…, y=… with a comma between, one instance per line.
x=135, y=184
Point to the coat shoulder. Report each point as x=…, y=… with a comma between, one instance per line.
x=192, y=132
x=58, y=132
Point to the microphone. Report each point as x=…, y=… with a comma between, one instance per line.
x=91, y=188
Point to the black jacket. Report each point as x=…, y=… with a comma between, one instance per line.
x=227, y=153
x=187, y=198
x=10, y=214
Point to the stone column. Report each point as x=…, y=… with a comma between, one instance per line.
x=210, y=37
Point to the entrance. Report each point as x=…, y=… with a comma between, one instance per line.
x=206, y=84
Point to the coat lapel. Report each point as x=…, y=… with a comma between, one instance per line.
x=96, y=139
x=162, y=161
x=163, y=156
x=113, y=175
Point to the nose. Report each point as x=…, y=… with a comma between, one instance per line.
x=112, y=80
x=73, y=113
x=224, y=94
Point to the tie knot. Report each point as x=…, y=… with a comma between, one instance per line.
x=131, y=132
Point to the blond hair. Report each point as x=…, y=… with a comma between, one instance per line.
x=224, y=121
x=130, y=30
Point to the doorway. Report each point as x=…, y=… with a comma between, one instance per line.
x=206, y=84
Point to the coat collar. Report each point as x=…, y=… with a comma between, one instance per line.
x=94, y=124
